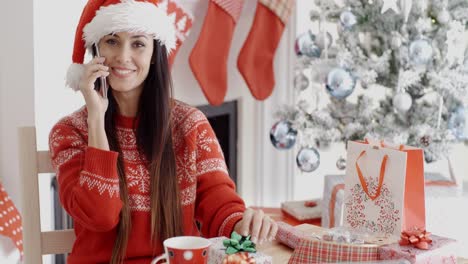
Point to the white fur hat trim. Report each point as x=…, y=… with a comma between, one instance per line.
x=133, y=16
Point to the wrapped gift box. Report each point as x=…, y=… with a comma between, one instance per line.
x=332, y=204
x=217, y=253
x=309, y=248
x=300, y=211
x=442, y=250
x=291, y=236
x=312, y=249
x=319, y=251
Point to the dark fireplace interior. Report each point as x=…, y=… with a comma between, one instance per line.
x=222, y=118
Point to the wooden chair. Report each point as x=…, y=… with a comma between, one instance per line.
x=32, y=163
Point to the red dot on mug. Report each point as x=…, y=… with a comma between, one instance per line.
x=188, y=255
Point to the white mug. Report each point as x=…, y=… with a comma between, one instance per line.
x=185, y=250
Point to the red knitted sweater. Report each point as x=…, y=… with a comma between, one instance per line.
x=89, y=185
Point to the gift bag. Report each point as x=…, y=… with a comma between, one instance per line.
x=384, y=188
x=333, y=194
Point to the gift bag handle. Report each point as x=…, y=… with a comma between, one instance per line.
x=383, y=145
x=381, y=176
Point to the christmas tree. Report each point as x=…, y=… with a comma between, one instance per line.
x=397, y=72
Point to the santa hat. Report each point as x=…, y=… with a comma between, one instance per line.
x=104, y=17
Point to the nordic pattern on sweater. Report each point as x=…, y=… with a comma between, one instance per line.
x=89, y=184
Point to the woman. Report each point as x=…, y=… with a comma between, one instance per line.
x=139, y=167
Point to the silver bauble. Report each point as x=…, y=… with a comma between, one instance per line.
x=301, y=82
x=306, y=45
x=341, y=163
x=457, y=123
x=443, y=17
x=420, y=52
x=348, y=19
x=308, y=159
x=282, y=135
x=340, y=83
x=402, y=102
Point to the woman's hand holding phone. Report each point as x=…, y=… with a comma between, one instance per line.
x=96, y=104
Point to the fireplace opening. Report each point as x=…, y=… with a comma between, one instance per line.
x=223, y=120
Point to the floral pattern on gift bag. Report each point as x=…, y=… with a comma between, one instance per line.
x=384, y=188
x=388, y=217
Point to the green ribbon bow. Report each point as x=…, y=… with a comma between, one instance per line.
x=238, y=243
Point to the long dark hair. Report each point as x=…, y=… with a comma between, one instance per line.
x=154, y=141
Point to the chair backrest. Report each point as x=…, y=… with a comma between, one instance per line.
x=32, y=164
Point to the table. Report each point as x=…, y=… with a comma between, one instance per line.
x=279, y=215
x=282, y=253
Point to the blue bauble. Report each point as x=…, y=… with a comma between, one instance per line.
x=420, y=52
x=308, y=159
x=306, y=45
x=457, y=123
x=340, y=83
x=348, y=19
x=282, y=135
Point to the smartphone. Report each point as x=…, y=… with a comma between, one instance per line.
x=102, y=80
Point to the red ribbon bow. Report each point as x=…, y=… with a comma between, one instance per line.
x=417, y=238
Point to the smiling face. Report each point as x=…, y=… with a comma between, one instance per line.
x=128, y=56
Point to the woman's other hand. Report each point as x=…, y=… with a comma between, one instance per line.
x=255, y=223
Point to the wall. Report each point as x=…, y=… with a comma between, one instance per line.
x=16, y=87
x=16, y=93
